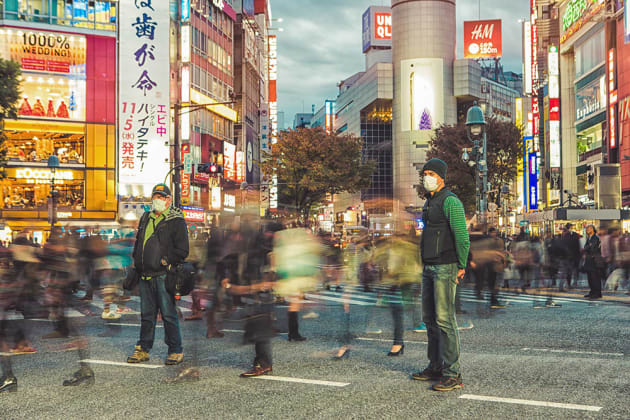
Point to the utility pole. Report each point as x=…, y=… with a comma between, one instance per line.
x=484, y=187
x=176, y=120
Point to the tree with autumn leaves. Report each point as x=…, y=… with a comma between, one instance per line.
x=505, y=147
x=311, y=163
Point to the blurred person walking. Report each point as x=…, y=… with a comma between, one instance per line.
x=571, y=244
x=444, y=249
x=161, y=244
x=593, y=263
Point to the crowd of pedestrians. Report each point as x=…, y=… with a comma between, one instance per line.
x=250, y=267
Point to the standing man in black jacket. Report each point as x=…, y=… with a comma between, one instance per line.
x=161, y=244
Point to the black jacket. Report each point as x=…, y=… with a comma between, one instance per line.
x=169, y=241
x=593, y=254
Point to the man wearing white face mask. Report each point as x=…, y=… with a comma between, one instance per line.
x=161, y=244
x=444, y=249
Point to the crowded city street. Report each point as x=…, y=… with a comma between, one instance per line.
x=300, y=209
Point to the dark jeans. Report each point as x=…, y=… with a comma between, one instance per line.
x=153, y=296
x=595, y=282
x=439, y=284
x=263, y=353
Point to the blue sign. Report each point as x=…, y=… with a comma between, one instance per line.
x=367, y=38
x=533, y=180
x=248, y=7
x=185, y=5
x=526, y=142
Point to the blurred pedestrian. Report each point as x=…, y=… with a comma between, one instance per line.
x=161, y=244
x=444, y=249
x=593, y=263
x=571, y=244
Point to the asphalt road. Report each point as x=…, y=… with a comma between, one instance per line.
x=519, y=362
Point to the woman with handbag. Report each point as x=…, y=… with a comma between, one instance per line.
x=593, y=263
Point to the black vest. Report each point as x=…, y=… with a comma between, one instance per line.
x=438, y=241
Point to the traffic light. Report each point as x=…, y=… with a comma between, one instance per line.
x=209, y=168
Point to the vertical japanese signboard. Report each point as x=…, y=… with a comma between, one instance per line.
x=554, y=107
x=612, y=100
x=273, y=115
x=143, y=95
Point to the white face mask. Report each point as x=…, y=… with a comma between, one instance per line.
x=159, y=205
x=430, y=183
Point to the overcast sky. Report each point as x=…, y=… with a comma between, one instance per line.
x=321, y=44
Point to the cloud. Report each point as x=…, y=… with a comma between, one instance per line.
x=321, y=44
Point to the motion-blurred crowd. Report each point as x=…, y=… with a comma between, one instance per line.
x=259, y=267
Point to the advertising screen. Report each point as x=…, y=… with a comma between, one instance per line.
x=143, y=100
x=422, y=94
x=482, y=39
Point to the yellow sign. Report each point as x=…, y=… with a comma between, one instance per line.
x=222, y=110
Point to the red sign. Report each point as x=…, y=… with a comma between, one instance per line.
x=482, y=39
x=554, y=109
x=535, y=115
x=383, y=25
x=185, y=149
x=612, y=98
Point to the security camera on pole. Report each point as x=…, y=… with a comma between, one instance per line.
x=476, y=129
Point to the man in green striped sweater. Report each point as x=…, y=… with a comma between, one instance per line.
x=444, y=249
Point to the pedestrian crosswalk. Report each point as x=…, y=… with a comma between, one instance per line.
x=352, y=294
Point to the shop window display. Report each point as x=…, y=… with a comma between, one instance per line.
x=20, y=195
x=28, y=146
x=49, y=97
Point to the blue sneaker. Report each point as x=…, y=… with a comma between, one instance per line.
x=420, y=328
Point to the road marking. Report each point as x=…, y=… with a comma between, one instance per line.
x=302, y=381
x=107, y=362
x=530, y=402
x=125, y=324
x=597, y=353
x=389, y=341
x=340, y=300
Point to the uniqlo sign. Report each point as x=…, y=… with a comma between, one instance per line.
x=383, y=25
x=482, y=39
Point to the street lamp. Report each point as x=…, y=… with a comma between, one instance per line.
x=53, y=164
x=476, y=130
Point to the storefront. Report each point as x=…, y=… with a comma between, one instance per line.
x=66, y=109
x=583, y=55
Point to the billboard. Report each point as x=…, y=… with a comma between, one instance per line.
x=248, y=8
x=482, y=39
x=422, y=93
x=533, y=180
x=143, y=100
x=377, y=27
x=527, y=57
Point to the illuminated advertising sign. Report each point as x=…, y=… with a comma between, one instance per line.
x=49, y=52
x=576, y=14
x=377, y=27
x=329, y=112
x=422, y=99
x=535, y=115
x=272, y=194
x=185, y=43
x=229, y=161
x=554, y=107
x=185, y=191
x=527, y=57
x=40, y=175
x=229, y=202
x=534, y=44
x=215, y=198
x=143, y=99
x=533, y=181
x=612, y=99
x=193, y=214
x=482, y=39
x=185, y=10
x=240, y=166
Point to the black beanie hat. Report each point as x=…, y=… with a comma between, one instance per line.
x=436, y=165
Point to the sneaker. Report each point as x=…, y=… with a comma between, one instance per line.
x=82, y=376
x=373, y=331
x=256, y=371
x=138, y=355
x=426, y=375
x=449, y=383
x=174, y=359
x=110, y=315
x=421, y=328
